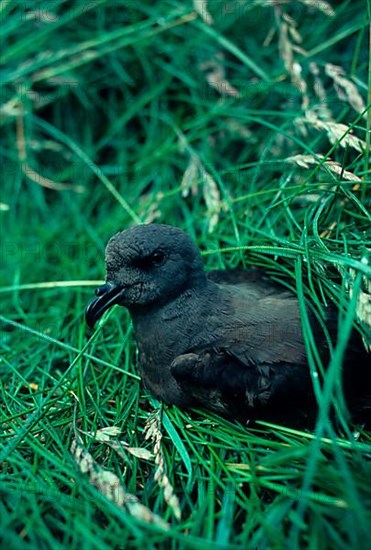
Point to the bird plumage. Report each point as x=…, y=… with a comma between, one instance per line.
x=230, y=341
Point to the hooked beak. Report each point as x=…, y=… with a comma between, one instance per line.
x=107, y=296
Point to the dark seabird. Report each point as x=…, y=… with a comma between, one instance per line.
x=229, y=341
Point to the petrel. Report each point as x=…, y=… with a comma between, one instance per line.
x=229, y=341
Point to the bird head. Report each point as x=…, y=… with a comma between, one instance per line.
x=147, y=266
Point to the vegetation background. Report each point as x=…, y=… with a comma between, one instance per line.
x=247, y=124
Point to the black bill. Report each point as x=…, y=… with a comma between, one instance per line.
x=107, y=296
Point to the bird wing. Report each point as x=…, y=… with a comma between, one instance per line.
x=253, y=278
x=249, y=353
x=259, y=324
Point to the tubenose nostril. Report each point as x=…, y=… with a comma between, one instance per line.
x=102, y=289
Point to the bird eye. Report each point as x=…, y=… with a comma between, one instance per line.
x=149, y=261
x=157, y=257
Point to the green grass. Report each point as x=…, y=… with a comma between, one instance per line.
x=116, y=113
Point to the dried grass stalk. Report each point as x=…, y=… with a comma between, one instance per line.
x=153, y=432
x=363, y=308
x=289, y=38
x=200, y=7
x=320, y=5
x=346, y=89
x=215, y=76
x=104, y=435
x=195, y=173
x=320, y=91
x=212, y=198
x=189, y=181
x=109, y=485
x=337, y=132
x=29, y=172
x=305, y=161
